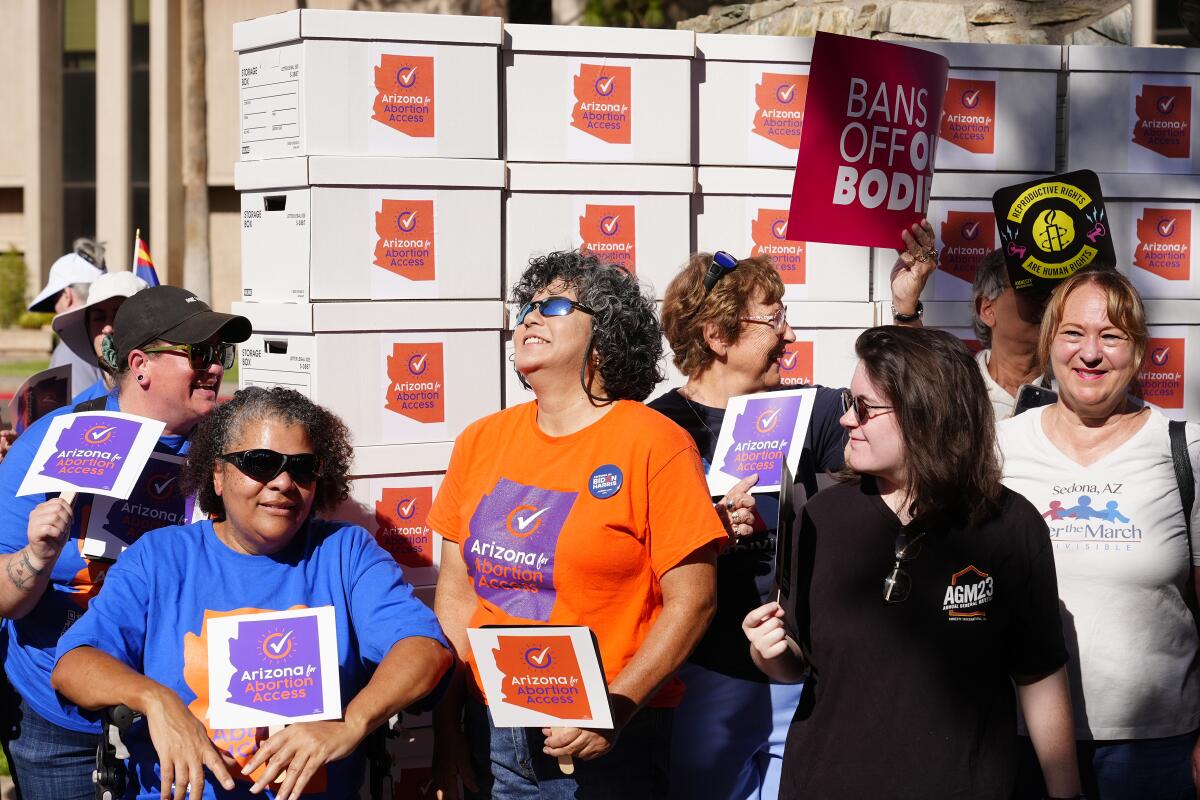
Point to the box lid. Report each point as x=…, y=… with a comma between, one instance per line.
x=981, y=185
x=401, y=458
x=1100, y=58
x=312, y=23
x=589, y=39
x=809, y=314
x=745, y=180
x=744, y=47
x=622, y=178
x=1132, y=185
x=271, y=173
x=1024, y=57
x=408, y=315
x=276, y=317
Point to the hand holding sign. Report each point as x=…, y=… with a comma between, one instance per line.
x=736, y=508
x=49, y=527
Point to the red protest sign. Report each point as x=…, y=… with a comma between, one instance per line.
x=870, y=128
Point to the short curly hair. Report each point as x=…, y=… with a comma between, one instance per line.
x=329, y=436
x=625, y=333
x=686, y=308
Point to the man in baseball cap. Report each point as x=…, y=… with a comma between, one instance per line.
x=67, y=288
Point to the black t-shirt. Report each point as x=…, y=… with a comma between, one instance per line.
x=745, y=569
x=914, y=699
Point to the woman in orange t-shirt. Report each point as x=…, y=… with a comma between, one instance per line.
x=584, y=507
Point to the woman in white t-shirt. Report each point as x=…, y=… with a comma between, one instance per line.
x=1098, y=465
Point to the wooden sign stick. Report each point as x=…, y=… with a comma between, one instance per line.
x=565, y=764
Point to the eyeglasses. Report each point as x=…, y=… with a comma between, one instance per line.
x=898, y=584
x=553, y=306
x=862, y=409
x=200, y=356
x=777, y=321
x=265, y=465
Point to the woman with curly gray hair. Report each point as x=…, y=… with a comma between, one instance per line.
x=260, y=466
x=583, y=507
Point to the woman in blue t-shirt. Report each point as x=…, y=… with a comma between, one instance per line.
x=260, y=466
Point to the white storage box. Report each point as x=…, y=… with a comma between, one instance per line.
x=1133, y=109
x=396, y=373
x=353, y=228
x=578, y=93
x=964, y=227
x=316, y=82
x=745, y=210
x=750, y=92
x=1155, y=224
x=1170, y=376
x=638, y=217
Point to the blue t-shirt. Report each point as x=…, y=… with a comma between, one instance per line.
x=151, y=616
x=97, y=389
x=74, y=580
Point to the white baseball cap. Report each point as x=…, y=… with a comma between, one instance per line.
x=71, y=326
x=70, y=269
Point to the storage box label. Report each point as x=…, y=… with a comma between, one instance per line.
x=1164, y=238
x=400, y=516
x=1164, y=116
x=416, y=376
x=967, y=236
x=405, y=243
x=969, y=116
x=769, y=232
x=796, y=364
x=404, y=94
x=1161, y=378
x=780, y=108
x=610, y=232
x=603, y=99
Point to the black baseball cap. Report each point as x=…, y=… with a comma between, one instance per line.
x=174, y=315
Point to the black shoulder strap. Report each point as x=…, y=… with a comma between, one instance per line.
x=1183, y=473
x=95, y=404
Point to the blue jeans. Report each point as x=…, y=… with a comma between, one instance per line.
x=729, y=736
x=1128, y=769
x=52, y=763
x=510, y=765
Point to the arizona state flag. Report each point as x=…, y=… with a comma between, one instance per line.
x=143, y=265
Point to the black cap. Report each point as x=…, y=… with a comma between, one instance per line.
x=174, y=315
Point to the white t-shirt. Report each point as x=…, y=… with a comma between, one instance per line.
x=1121, y=554
x=1002, y=401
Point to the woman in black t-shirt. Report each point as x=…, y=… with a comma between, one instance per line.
x=924, y=590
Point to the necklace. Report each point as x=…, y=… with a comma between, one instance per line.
x=696, y=413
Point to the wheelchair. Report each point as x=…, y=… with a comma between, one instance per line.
x=111, y=778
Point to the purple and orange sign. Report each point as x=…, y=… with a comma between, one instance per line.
x=98, y=452
x=761, y=433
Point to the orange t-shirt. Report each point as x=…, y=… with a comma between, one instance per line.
x=578, y=529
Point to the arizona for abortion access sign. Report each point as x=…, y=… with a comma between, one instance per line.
x=98, y=452
x=871, y=122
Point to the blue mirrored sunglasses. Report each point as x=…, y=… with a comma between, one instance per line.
x=553, y=306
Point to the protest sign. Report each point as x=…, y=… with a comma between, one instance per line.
x=871, y=124
x=40, y=394
x=156, y=502
x=98, y=452
x=1052, y=228
x=541, y=675
x=273, y=668
x=760, y=433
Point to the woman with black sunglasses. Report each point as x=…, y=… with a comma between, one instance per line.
x=261, y=466
x=924, y=591
x=583, y=507
x=168, y=353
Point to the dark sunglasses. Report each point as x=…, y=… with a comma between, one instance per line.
x=201, y=356
x=898, y=584
x=862, y=409
x=264, y=465
x=553, y=306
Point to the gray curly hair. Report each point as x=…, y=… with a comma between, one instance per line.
x=991, y=279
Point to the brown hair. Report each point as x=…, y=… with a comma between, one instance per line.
x=686, y=309
x=1125, y=310
x=936, y=391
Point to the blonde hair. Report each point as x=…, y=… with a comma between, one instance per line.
x=686, y=309
x=1124, y=307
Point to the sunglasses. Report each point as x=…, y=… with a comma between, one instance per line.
x=200, y=356
x=898, y=584
x=265, y=465
x=553, y=306
x=862, y=409
x=777, y=321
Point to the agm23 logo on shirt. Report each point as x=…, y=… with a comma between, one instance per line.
x=969, y=591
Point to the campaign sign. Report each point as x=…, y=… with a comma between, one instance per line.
x=542, y=675
x=156, y=502
x=40, y=394
x=273, y=668
x=761, y=433
x=98, y=452
x=871, y=124
x=1052, y=228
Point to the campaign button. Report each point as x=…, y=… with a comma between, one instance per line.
x=605, y=482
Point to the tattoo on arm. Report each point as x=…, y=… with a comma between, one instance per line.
x=21, y=571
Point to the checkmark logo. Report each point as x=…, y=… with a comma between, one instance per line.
x=540, y=658
x=277, y=647
x=417, y=364
x=1159, y=356
x=970, y=98
x=608, y=225
x=1166, y=104
x=788, y=360
x=406, y=222
x=970, y=230
x=766, y=422
x=1166, y=227
x=779, y=229
x=99, y=434
x=523, y=522
x=604, y=86
x=407, y=77
x=161, y=487
x=786, y=92
x=406, y=507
